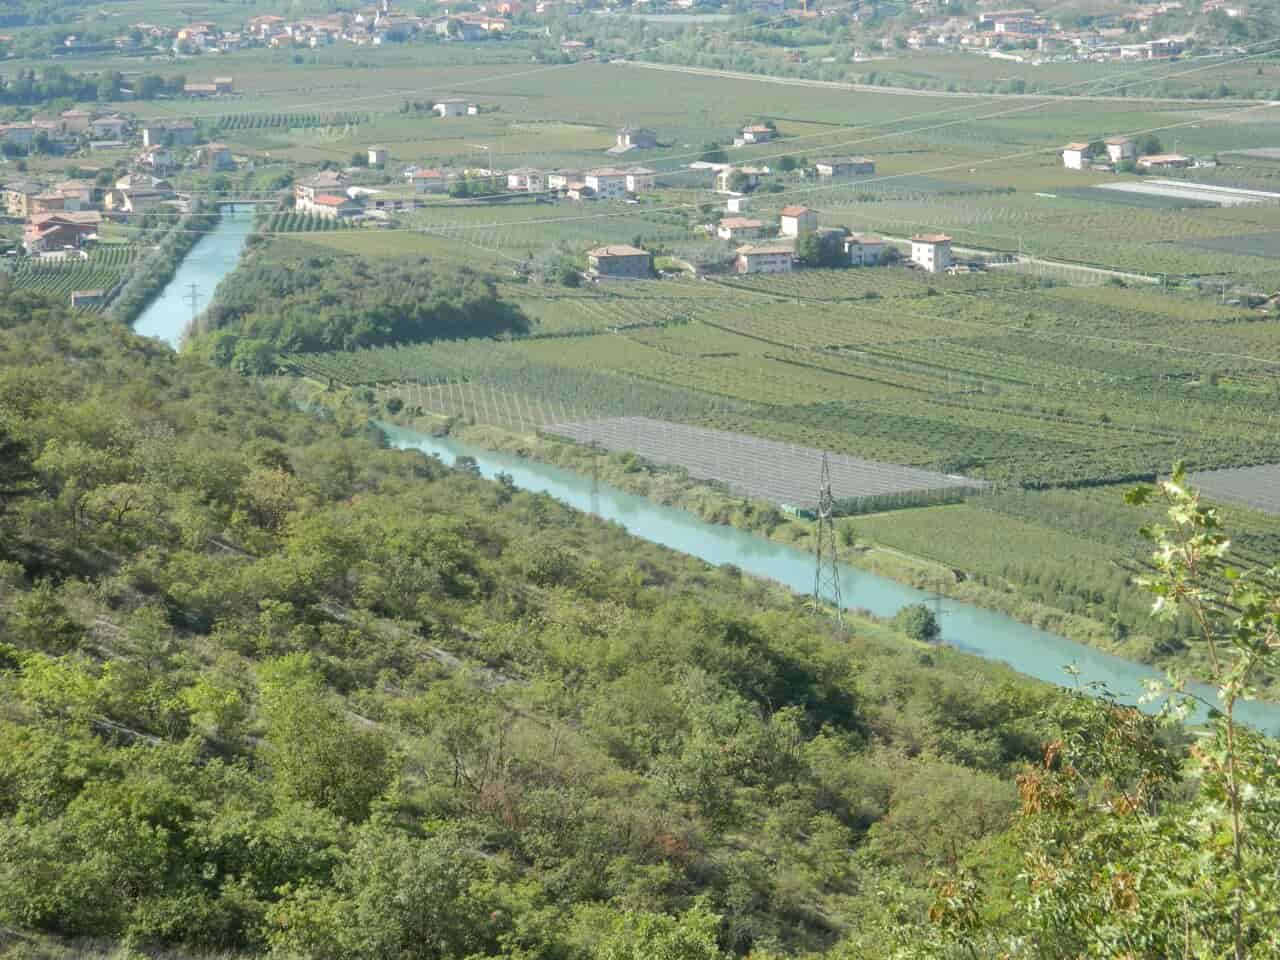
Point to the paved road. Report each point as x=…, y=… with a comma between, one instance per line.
x=909, y=92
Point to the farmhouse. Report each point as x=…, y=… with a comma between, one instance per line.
x=932, y=251
x=326, y=181
x=1164, y=161
x=76, y=121
x=199, y=89
x=738, y=204
x=18, y=194
x=180, y=133
x=864, y=249
x=108, y=128
x=634, y=138
x=739, y=228
x=453, y=107
x=378, y=156
x=620, y=262
x=1120, y=149
x=158, y=158
x=427, y=181
x=560, y=179
x=332, y=206
x=607, y=183
x=1075, y=156
x=526, y=179
x=757, y=133
x=798, y=220
x=216, y=156
x=845, y=167
x=750, y=179
x=52, y=231
x=772, y=258
x=640, y=179
x=77, y=194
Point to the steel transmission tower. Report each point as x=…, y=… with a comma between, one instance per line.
x=826, y=577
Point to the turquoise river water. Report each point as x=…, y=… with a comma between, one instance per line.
x=1036, y=653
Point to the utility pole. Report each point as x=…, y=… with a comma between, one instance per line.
x=826, y=577
x=192, y=297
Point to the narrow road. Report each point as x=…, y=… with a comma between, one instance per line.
x=909, y=92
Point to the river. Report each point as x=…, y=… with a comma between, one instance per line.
x=1036, y=653
x=212, y=258
x=994, y=636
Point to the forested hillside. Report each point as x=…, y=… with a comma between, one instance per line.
x=267, y=687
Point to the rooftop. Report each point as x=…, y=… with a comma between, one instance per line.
x=768, y=248
x=617, y=250
x=741, y=223
x=796, y=211
x=1075, y=146
x=930, y=238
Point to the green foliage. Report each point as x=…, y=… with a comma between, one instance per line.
x=918, y=622
x=342, y=303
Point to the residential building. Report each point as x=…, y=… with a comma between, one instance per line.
x=453, y=107
x=334, y=206
x=1075, y=156
x=749, y=181
x=17, y=196
x=200, y=89
x=735, y=229
x=845, y=167
x=635, y=138
x=526, y=180
x=769, y=258
x=798, y=220
x=223, y=84
x=864, y=249
x=76, y=121
x=216, y=156
x=1163, y=161
x=578, y=190
x=640, y=179
x=757, y=133
x=77, y=194
x=108, y=128
x=180, y=133
x=607, y=183
x=932, y=251
x=378, y=156
x=46, y=203
x=157, y=158
x=325, y=182
x=737, y=204
x=19, y=134
x=427, y=181
x=620, y=262
x=53, y=231
x=1121, y=149
x=137, y=199
x=560, y=179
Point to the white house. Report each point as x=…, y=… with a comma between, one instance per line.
x=757, y=133
x=560, y=179
x=739, y=228
x=1121, y=149
x=798, y=220
x=526, y=179
x=737, y=204
x=1163, y=161
x=640, y=179
x=750, y=179
x=864, y=249
x=772, y=258
x=453, y=107
x=932, y=251
x=634, y=138
x=845, y=167
x=1075, y=156
x=607, y=183
x=378, y=156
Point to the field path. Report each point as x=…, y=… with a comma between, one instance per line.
x=910, y=92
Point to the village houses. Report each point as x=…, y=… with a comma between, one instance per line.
x=864, y=249
x=607, y=183
x=837, y=167
x=426, y=180
x=736, y=229
x=1075, y=156
x=324, y=183
x=757, y=133
x=634, y=138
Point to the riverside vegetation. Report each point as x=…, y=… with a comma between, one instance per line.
x=270, y=688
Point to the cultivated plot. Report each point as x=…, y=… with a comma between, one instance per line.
x=1257, y=487
x=761, y=469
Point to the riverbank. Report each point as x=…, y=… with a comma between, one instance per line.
x=154, y=272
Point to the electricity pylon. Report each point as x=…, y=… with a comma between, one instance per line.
x=826, y=576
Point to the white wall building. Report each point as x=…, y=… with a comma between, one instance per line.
x=932, y=251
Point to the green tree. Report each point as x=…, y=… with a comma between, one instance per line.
x=318, y=754
x=638, y=935
x=918, y=622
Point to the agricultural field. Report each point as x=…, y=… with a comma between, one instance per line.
x=759, y=469
x=102, y=270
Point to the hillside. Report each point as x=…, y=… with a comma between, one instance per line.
x=268, y=687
